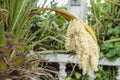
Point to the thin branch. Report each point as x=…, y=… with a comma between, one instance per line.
x=73, y=70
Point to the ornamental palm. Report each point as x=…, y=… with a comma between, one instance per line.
x=16, y=39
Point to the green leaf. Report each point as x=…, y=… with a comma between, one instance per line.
x=7, y=53
x=117, y=44
x=98, y=1
x=117, y=30
x=107, y=46
x=19, y=5
x=77, y=75
x=112, y=52
x=2, y=35
x=101, y=54
x=110, y=31
x=3, y=66
x=68, y=78
x=18, y=62
x=4, y=12
x=110, y=24
x=98, y=75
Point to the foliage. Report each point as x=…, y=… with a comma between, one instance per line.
x=17, y=40
x=74, y=73
x=106, y=73
x=103, y=73
x=15, y=27
x=104, y=19
x=111, y=50
x=104, y=16
x=52, y=30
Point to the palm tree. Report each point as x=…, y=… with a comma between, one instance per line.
x=16, y=39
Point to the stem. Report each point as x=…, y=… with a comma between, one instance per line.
x=2, y=35
x=68, y=16
x=52, y=51
x=113, y=40
x=112, y=2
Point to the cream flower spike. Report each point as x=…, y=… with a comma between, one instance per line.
x=81, y=38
